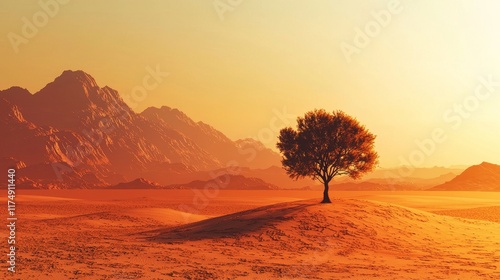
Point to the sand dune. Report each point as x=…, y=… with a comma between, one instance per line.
x=238, y=236
x=348, y=238
x=165, y=215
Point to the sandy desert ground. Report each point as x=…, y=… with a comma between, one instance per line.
x=150, y=234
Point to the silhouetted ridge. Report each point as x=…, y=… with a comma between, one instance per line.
x=77, y=90
x=77, y=77
x=16, y=94
x=481, y=177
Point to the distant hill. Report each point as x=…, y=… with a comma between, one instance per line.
x=482, y=177
x=140, y=183
x=228, y=182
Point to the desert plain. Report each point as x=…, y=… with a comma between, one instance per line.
x=272, y=234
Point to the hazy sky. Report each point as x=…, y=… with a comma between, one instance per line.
x=407, y=70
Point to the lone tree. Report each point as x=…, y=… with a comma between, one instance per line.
x=326, y=145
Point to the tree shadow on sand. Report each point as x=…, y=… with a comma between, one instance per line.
x=230, y=225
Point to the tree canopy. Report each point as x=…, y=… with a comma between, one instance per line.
x=326, y=145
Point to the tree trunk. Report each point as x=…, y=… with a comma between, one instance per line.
x=326, y=198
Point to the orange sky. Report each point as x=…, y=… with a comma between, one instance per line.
x=416, y=72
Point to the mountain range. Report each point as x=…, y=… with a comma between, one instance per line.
x=73, y=133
